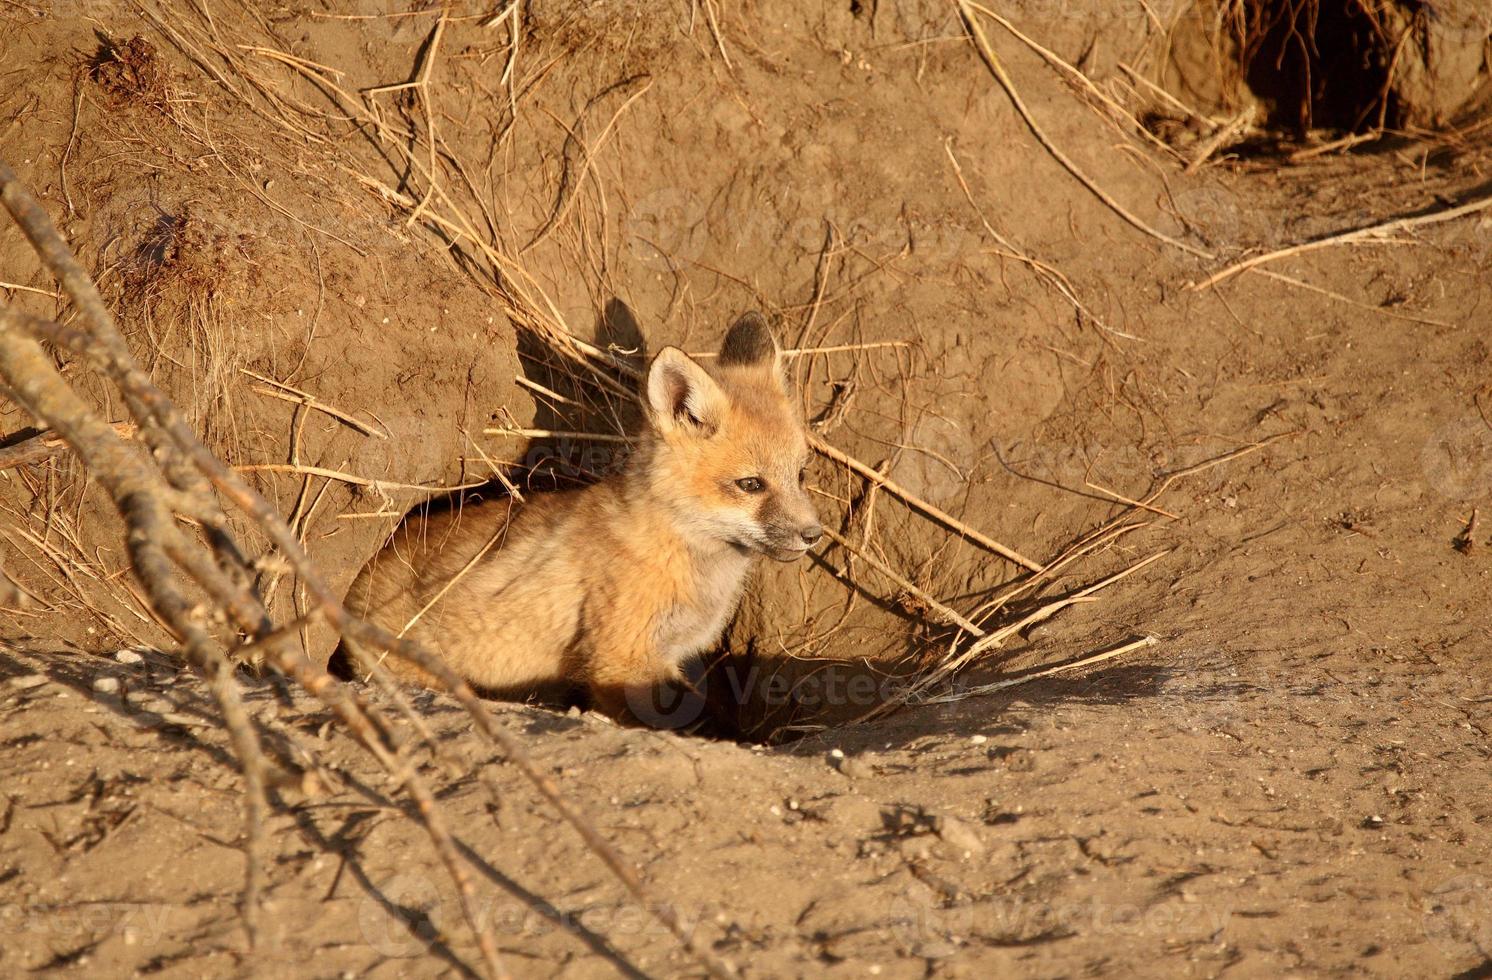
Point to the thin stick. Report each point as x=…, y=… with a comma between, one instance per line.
x=1346, y=238
x=54, y=294
x=948, y=616
x=715, y=31
x=955, y=663
x=1346, y=142
x=1374, y=307
x=1225, y=134
x=563, y=205
x=312, y=402
x=422, y=83
x=45, y=446
x=1165, y=96
x=1088, y=661
x=1128, y=500
x=556, y=434
x=549, y=393
x=917, y=503
x=496, y=470
x=360, y=481
x=1103, y=535
x=1053, y=276
x=833, y=349
x=998, y=70
x=1002, y=634
x=1207, y=464
x=1053, y=59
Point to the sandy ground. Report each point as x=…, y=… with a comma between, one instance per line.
x=1290, y=782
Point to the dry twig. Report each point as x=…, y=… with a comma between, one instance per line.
x=1372, y=233
x=917, y=503
x=946, y=615
x=967, y=9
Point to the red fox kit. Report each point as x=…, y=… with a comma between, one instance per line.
x=613, y=587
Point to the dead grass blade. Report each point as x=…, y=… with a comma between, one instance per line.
x=1088, y=661
x=987, y=53
x=1372, y=233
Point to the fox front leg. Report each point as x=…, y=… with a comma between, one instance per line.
x=657, y=698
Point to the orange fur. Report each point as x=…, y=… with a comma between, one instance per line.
x=615, y=586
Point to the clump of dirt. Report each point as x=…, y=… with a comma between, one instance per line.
x=184, y=259
x=638, y=28
x=132, y=74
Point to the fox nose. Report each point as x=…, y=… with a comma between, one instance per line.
x=811, y=534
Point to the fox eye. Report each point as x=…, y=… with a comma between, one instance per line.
x=751, y=484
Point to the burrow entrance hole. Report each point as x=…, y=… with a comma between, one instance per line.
x=1318, y=64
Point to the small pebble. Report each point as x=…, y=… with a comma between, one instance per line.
x=28, y=681
x=979, y=739
x=106, y=685
x=129, y=657
x=961, y=835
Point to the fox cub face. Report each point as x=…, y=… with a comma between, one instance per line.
x=729, y=447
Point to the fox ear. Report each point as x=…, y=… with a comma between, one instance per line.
x=749, y=341
x=682, y=395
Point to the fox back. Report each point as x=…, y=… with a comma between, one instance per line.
x=611, y=588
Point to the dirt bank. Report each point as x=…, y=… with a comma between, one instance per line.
x=1287, y=782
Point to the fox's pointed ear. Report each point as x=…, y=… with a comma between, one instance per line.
x=749, y=342
x=681, y=394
